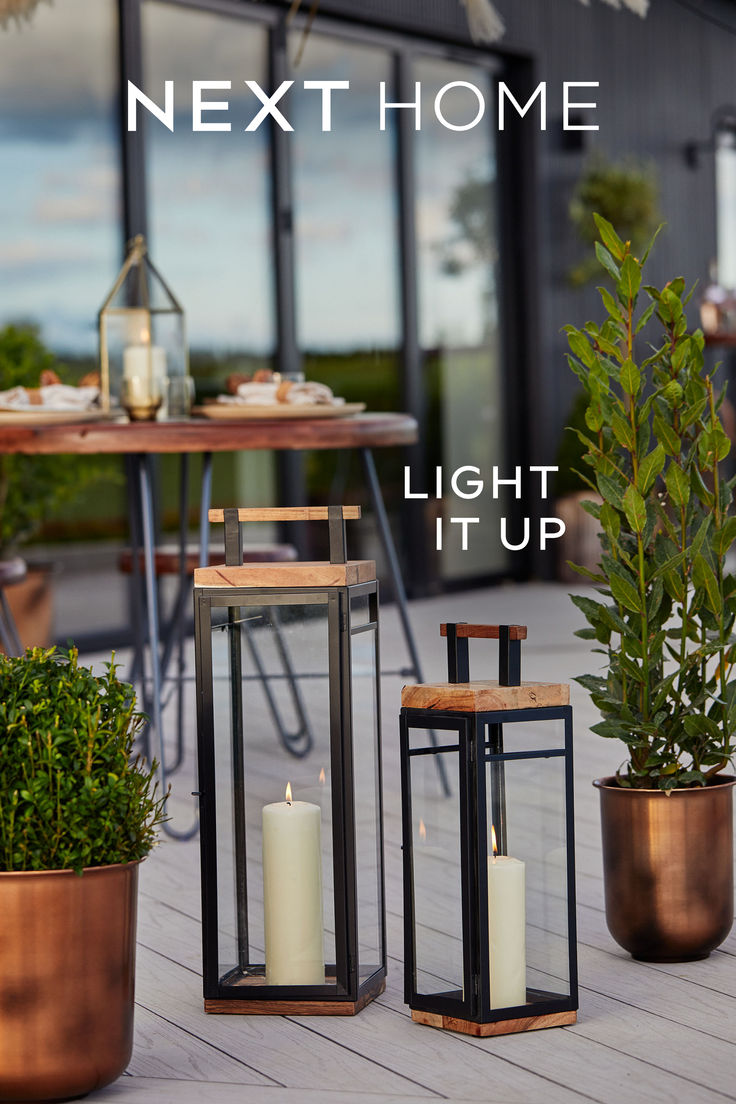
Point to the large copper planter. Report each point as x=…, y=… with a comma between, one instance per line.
x=668, y=869
x=67, y=970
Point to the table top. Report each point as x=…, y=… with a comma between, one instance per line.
x=204, y=435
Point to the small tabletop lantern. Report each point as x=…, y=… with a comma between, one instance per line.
x=489, y=889
x=142, y=340
x=293, y=912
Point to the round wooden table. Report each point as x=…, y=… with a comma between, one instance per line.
x=140, y=442
x=207, y=435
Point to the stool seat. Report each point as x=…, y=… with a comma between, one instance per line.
x=12, y=570
x=166, y=559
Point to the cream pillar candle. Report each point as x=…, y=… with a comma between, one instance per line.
x=292, y=893
x=507, y=930
x=144, y=372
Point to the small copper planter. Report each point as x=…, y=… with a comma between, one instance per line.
x=668, y=869
x=67, y=970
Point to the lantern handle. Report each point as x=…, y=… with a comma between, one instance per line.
x=335, y=515
x=509, y=652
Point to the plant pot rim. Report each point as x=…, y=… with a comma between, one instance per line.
x=68, y=871
x=610, y=783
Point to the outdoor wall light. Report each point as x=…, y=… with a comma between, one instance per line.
x=722, y=134
x=489, y=874
x=143, y=347
x=291, y=823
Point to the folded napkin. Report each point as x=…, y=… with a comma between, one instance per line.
x=55, y=396
x=272, y=392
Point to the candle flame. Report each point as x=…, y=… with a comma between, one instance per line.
x=422, y=830
x=322, y=776
x=288, y=792
x=493, y=841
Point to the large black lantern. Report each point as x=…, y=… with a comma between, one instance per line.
x=290, y=777
x=489, y=890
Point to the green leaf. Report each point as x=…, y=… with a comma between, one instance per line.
x=645, y=317
x=623, y=432
x=630, y=280
x=650, y=468
x=705, y=580
x=724, y=538
x=625, y=593
x=588, y=606
x=667, y=436
x=630, y=377
x=635, y=509
x=677, y=484
x=607, y=261
x=610, y=490
x=580, y=346
x=610, y=520
x=609, y=236
x=610, y=303
x=650, y=245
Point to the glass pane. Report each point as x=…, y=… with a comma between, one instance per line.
x=285, y=739
x=526, y=735
x=367, y=800
x=209, y=191
x=436, y=857
x=346, y=248
x=457, y=239
x=59, y=201
x=527, y=889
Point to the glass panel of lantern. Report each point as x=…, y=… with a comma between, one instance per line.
x=489, y=890
x=290, y=785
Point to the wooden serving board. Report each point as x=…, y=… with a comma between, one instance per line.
x=36, y=415
x=240, y=411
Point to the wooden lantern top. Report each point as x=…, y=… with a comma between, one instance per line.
x=337, y=572
x=460, y=695
x=485, y=696
x=304, y=573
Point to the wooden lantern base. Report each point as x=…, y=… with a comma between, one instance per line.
x=295, y=1008
x=500, y=1027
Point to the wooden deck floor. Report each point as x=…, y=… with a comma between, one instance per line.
x=660, y=1033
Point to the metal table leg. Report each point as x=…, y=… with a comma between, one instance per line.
x=387, y=542
x=389, y=548
x=142, y=467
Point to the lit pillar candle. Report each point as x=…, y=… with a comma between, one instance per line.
x=144, y=371
x=292, y=893
x=506, y=929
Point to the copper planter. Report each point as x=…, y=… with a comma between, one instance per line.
x=668, y=869
x=67, y=970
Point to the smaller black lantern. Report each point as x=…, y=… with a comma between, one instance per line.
x=489, y=873
x=289, y=777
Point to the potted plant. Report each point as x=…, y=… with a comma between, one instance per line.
x=664, y=618
x=76, y=818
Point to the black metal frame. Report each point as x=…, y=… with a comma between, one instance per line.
x=346, y=969
x=475, y=749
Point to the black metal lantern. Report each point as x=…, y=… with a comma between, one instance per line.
x=489, y=874
x=287, y=671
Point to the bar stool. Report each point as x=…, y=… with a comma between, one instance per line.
x=12, y=571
